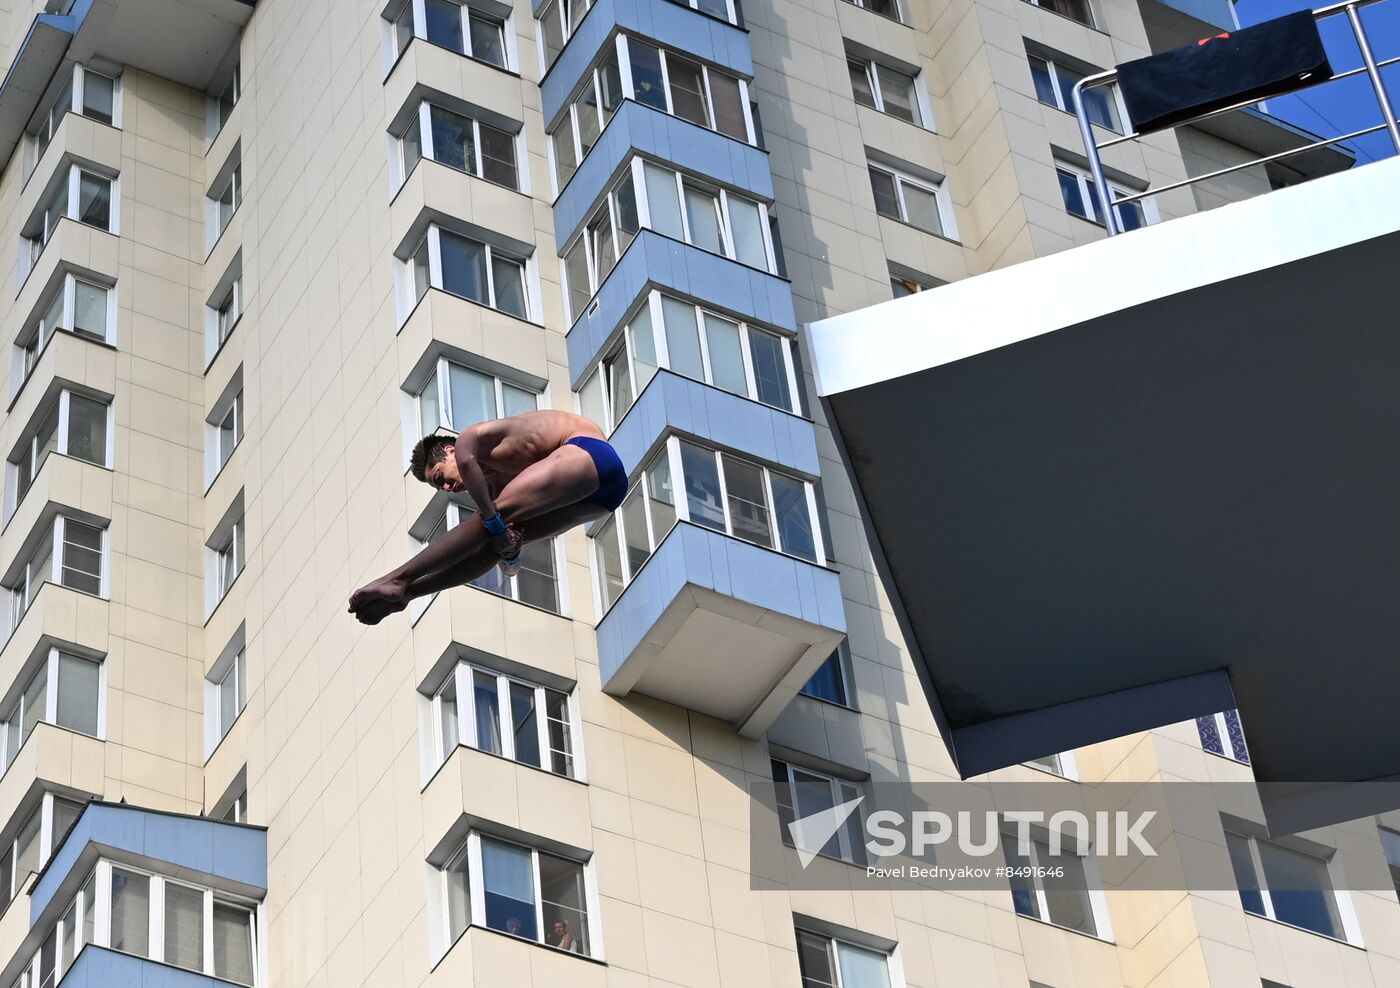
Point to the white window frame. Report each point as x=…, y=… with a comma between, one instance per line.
x=224, y=309
x=1092, y=22
x=462, y=676
x=35, y=242
x=102, y=921
x=75, y=90
x=900, y=15
x=1069, y=843
x=228, y=311
x=453, y=516
x=14, y=496
x=566, y=28
x=625, y=346
x=923, y=118
x=630, y=91
x=48, y=842
x=235, y=665
x=230, y=185
x=409, y=299
x=214, y=435
x=234, y=544
x=50, y=665
x=1147, y=206
x=1057, y=87
x=941, y=199
x=477, y=893
x=423, y=115
x=213, y=99
x=36, y=335
x=894, y=967
x=842, y=791
x=440, y=378
x=22, y=596
x=1341, y=897
x=394, y=44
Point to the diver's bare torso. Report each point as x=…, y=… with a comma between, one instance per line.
x=506, y=447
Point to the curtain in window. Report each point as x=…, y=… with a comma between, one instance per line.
x=509, y=881
x=95, y=200
x=488, y=713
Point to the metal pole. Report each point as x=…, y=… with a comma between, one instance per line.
x=1376, y=82
x=1091, y=150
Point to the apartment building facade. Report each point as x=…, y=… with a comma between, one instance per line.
x=257, y=250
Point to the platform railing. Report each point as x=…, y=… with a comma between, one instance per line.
x=1104, y=195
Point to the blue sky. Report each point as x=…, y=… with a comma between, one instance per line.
x=1340, y=107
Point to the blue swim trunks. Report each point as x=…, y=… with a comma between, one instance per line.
x=612, y=477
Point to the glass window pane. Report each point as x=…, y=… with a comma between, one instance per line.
x=793, y=517
x=1099, y=105
x=7, y=868
x=643, y=346
x=610, y=84
x=536, y=582
x=444, y=24
x=728, y=106
x=746, y=221
x=664, y=201
x=27, y=848
x=589, y=123
x=1130, y=215
x=35, y=701
x=508, y=278
x=687, y=89
x=95, y=200
x=453, y=141
x=748, y=504
x=57, y=209
x=488, y=39
x=813, y=793
x=1023, y=895
x=619, y=383
x=89, y=908
x=625, y=214
x=47, y=971
x=726, y=354
x=233, y=943
x=82, y=557
x=420, y=270
x=565, y=158
x=228, y=701
x=412, y=143
x=860, y=82
x=590, y=398
x=403, y=27
x=518, y=400
x=634, y=528
x=600, y=240
x=1044, y=82
x=1071, y=194
x=77, y=693
x=561, y=747
x=862, y=968
x=65, y=814
x=682, y=338
x=184, y=927
x=609, y=561
x=97, y=97
x=921, y=207
x=1246, y=880
x=463, y=267
x=553, y=22
x=702, y=486
x=661, y=500
x=716, y=8
x=131, y=912
x=1067, y=897
x=458, y=894
x=886, y=199
x=576, y=271
x=702, y=212
x=447, y=715
x=563, y=904
x=769, y=369
x=472, y=395
x=90, y=309
x=87, y=429
x=647, y=80
x=61, y=105
x=525, y=726
x=488, y=712
x=46, y=439
x=498, y=156
x=509, y=888
x=814, y=960
x=53, y=316
x=897, y=92
x=828, y=682
x=1300, y=889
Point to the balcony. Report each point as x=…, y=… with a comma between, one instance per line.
x=99, y=967
x=721, y=626
x=1147, y=479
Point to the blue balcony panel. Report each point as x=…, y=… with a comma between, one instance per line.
x=637, y=127
x=97, y=967
x=672, y=403
x=721, y=626
x=170, y=843
x=669, y=24
x=654, y=260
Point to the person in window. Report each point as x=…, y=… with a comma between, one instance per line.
x=532, y=476
x=561, y=937
x=513, y=925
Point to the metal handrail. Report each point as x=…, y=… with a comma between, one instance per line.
x=1370, y=67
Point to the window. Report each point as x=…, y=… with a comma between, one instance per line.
x=72, y=553
x=505, y=716
x=697, y=343
x=1390, y=844
x=1061, y=764
x=223, y=432
x=456, y=26
x=459, y=142
x=721, y=492
x=885, y=89
x=1077, y=191
x=588, y=113
x=484, y=273
x=1286, y=884
x=910, y=200
x=536, y=584
x=33, y=843
x=889, y=8
x=228, y=559
x=74, y=425
x=1222, y=734
x=90, y=93
x=802, y=792
x=223, y=201
x=65, y=690
x=561, y=18
x=676, y=206
x=81, y=195
x=152, y=916
x=222, y=101
x=1066, y=900
x=77, y=305
x=237, y=811
x=227, y=311
x=1075, y=10
x=826, y=962
x=1054, y=86
x=520, y=890
x=456, y=396
x=683, y=87
x=829, y=682
x=902, y=284
x=226, y=693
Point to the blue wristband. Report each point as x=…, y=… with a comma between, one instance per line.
x=495, y=524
